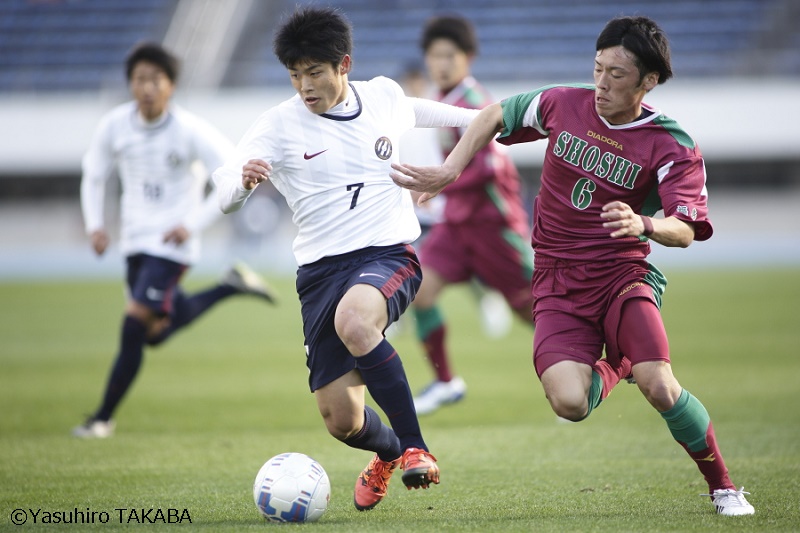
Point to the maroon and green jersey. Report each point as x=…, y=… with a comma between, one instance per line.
x=488, y=190
x=650, y=164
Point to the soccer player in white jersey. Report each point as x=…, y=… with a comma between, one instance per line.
x=153, y=145
x=328, y=151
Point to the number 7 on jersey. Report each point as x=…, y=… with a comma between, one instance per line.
x=356, y=188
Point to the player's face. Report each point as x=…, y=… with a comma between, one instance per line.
x=447, y=64
x=619, y=93
x=151, y=88
x=320, y=85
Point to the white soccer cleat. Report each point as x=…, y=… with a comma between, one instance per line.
x=245, y=280
x=439, y=393
x=731, y=502
x=94, y=429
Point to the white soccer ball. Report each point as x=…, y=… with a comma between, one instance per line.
x=292, y=487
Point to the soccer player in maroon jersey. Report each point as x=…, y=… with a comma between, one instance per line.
x=484, y=226
x=611, y=163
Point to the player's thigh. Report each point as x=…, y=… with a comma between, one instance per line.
x=361, y=315
x=562, y=336
x=567, y=383
x=640, y=333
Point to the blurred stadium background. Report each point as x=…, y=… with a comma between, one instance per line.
x=736, y=90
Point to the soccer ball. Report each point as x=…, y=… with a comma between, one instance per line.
x=292, y=487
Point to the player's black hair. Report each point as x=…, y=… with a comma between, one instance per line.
x=452, y=27
x=644, y=39
x=152, y=53
x=315, y=34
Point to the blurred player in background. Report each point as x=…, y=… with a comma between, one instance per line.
x=611, y=163
x=421, y=146
x=153, y=145
x=328, y=151
x=483, y=232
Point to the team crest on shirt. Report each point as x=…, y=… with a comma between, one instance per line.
x=685, y=211
x=383, y=148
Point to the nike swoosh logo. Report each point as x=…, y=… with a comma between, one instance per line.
x=154, y=294
x=307, y=157
x=364, y=274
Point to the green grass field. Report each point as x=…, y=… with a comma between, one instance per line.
x=220, y=398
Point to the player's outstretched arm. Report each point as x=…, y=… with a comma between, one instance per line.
x=431, y=180
x=624, y=222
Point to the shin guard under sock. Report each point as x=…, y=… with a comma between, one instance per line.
x=690, y=425
x=386, y=382
x=125, y=367
x=432, y=332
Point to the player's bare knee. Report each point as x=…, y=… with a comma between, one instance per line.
x=570, y=408
x=353, y=334
x=659, y=394
x=340, y=428
x=357, y=334
x=572, y=414
x=339, y=433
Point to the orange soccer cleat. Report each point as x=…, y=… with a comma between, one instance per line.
x=373, y=482
x=419, y=469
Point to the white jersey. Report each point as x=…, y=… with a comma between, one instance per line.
x=161, y=186
x=333, y=171
x=422, y=147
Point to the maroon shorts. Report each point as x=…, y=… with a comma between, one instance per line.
x=578, y=312
x=497, y=255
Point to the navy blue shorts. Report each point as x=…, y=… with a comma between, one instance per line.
x=393, y=270
x=153, y=281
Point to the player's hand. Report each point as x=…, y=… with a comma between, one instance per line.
x=621, y=220
x=177, y=235
x=429, y=181
x=254, y=172
x=100, y=241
